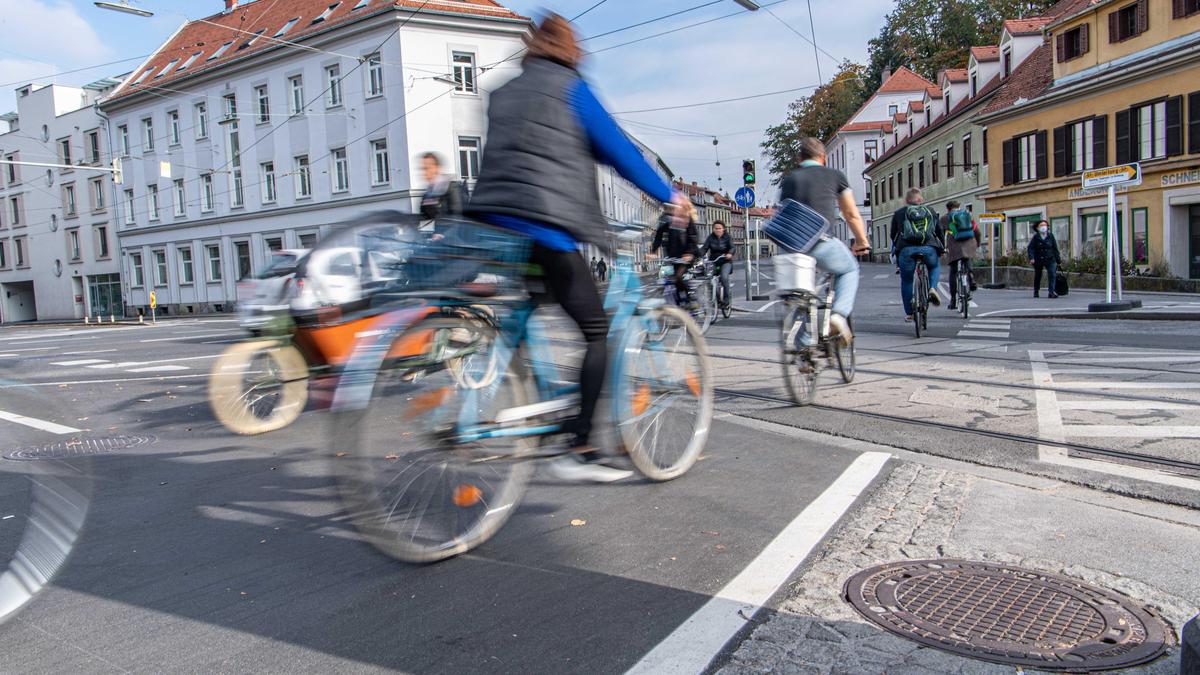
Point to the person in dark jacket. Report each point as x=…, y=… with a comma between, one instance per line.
x=1043, y=255
x=546, y=133
x=930, y=250
x=718, y=248
x=679, y=242
x=444, y=196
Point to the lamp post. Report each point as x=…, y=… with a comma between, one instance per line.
x=748, y=4
x=124, y=7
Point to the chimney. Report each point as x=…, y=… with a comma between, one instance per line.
x=230, y=5
x=887, y=72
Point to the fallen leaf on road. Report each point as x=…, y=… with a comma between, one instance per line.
x=577, y=522
x=82, y=419
x=341, y=454
x=391, y=456
x=720, y=547
x=62, y=386
x=243, y=592
x=263, y=541
x=674, y=558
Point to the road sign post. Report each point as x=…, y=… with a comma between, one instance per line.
x=744, y=197
x=153, y=307
x=1111, y=178
x=992, y=220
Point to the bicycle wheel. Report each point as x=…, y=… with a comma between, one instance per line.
x=704, y=310
x=258, y=386
x=726, y=305
x=412, y=489
x=663, y=393
x=919, y=290
x=844, y=354
x=964, y=294
x=799, y=366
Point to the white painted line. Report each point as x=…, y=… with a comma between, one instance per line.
x=965, y=333
x=1103, y=404
x=988, y=322
x=981, y=346
x=5, y=356
x=37, y=424
x=691, y=647
x=1141, y=352
x=1067, y=360
x=158, y=369
x=221, y=342
x=972, y=304
x=1129, y=431
x=882, y=276
x=33, y=349
x=188, y=336
x=117, y=380
x=128, y=364
x=1130, y=385
x=89, y=351
x=80, y=362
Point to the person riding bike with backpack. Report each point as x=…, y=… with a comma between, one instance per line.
x=917, y=231
x=679, y=240
x=962, y=242
x=718, y=248
x=546, y=133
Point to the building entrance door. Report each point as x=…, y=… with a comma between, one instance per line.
x=105, y=295
x=1194, y=241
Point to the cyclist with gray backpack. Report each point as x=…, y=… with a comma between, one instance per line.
x=917, y=232
x=962, y=242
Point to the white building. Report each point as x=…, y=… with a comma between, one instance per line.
x=623, y=202
x=57, y=242
x=256, y=128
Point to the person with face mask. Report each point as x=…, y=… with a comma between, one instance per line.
x=1043, y=255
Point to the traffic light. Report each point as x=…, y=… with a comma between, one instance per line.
x=748, y=172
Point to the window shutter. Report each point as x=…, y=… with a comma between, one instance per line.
x=1060, y=47
x=1124, y=142
x=1194, y=123
x=1112, y=27
x=1178, y=9
x=1060, y=152
x=1143, y=16
x=1100, y=141
x=1043, y=171
x=1009, y=165
x=1174, y=126
x=1083, y=38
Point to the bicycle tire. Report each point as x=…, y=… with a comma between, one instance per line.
x=918, y=295
x=799, y=367
x=283, y=386
x=845, y=356
x=472, y=497
x=644, y=381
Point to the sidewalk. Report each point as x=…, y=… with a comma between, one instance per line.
x=949, y=510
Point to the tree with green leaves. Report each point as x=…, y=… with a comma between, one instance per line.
x=818, y=115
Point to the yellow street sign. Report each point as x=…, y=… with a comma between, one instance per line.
x=153, y=300
x=991, y=218
x=1113, y=175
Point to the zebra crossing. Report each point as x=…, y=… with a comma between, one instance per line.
x=986, y=328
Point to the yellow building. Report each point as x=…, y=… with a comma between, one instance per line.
x=1114, y=82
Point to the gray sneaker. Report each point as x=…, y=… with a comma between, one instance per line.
x=573, y=469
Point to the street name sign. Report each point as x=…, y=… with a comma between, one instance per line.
x=1113, y=176
x=991, y=218
x=744, y=197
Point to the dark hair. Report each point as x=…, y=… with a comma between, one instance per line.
x=554, y=40
x=951, y=205
x=1038, y=224
x=811, y=148
x=432, y=155
x=718, y=222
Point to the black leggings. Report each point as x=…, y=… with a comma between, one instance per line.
x=681, y=284
x=569, y=282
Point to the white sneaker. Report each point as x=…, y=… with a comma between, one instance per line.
x=839, y=326
x=573, y=469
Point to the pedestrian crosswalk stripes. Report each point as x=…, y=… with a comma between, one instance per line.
x=986, y=328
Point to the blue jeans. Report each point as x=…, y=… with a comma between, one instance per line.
x=908, y=267
x=835, y=258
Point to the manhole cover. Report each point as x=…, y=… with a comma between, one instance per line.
x=78, y=447
x=1007, y=614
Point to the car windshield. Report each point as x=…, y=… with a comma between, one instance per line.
x=281, y=264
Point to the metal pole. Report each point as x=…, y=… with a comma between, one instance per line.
x=992, y=249
x=747, y=266
x=758, y=255
x=1112, y=218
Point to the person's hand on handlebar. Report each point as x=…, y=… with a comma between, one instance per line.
x=729, y=256
x=859, y=249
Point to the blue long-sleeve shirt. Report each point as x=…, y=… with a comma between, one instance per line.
x=611, y=146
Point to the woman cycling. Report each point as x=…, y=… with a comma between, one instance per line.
x=679, y=242
x=546, y=132
x=718, y=247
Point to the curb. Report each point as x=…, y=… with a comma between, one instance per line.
x=1189, y=658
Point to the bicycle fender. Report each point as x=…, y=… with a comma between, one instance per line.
x=357, y=381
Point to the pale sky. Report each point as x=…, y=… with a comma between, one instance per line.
x=744, y=55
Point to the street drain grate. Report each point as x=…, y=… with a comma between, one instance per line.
x=1008, y=615
x=78, y=447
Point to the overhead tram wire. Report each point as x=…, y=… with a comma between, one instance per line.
x=676, y=30
x=584, y=12
x=723, y=100
x=813, y=41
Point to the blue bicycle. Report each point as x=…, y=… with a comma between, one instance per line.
x=440, y=413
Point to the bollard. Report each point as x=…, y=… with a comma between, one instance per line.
x=85, y=321
x=141, y=318
x=112, y=318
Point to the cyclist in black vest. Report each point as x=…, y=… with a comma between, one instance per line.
x=916, y=230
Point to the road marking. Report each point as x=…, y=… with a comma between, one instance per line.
x=4, y=356
x=1083, y=384
x=37, y=424
x=158, y=369
x=882, y=276
x=1128, y=359
x=188, y=336
x=116, y=380
x=1122, y=431
x=80, y=362
x=32, y=349
x=88, y=351
x=693, y=645
x=1102, y=404
x=980, y=333
x=127, y=364
x=1141, y=352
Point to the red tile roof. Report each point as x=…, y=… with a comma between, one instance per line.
x=1030, y=26
x=866, y=126
x=904, y=80
x=989, y=53
x=901, y=117
x=238, y=28
x=934, y=92
x=1029, y=80
x=916, y=106
x=954, y=75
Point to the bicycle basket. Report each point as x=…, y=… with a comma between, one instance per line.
x=795, y=272
x=469, y=252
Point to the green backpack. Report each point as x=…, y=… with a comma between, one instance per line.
x=918, y=226
x=960, y=225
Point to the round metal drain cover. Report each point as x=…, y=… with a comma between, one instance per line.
x=78, y=447
x=1007, y=614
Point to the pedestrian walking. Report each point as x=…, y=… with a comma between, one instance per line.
x=1044, y=255
x=601, y=269
x=595, y=269
x=962, y=244
x=444, y=196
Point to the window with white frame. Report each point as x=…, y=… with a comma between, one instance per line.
x=374, y=75
x=1150, y=130
x=3, y=255
x=220, y=50
x=1082, y=144
x=70, y=206
x=123, y=140
x=1026, y=157
x=148, y=135
x=206, y=193
x=14, y=211
x=303, y=173
x=333, y=78
x=286, y=27
x=152, y=201
x=380, y=166
x=201, y=110
x=19, y=250
x=180, y=198
x=263, y=103
x=213, y=251
x=241, y=250
x=97, y=190
x=92, y=146
x=464, y=72
x=253, y=38
x=129, y=217
x=296, y=86
x=160, y=267
x=64, y=150
x=186, y=274
x=325, y=15
x=892, y=110
x=173, y=126
x=273, y=244
x=870, y=150
x=74, y=249
x=468, y=157
x=139, y=274
x=190, y=61
x=101, y=232
x=167, y=69
x=339, y=170
x=267, y=181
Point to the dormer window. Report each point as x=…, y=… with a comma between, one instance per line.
x=927, y=117
x=144, y=76
x=1128, y=22
x=220, y=50
x=1006, y=62
x=190, y=61
x=166, y=70
x=325, y=15
x=287, y=26
x=974, y=83
x=892, y=110
x=253, y=38
x=946, y=99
